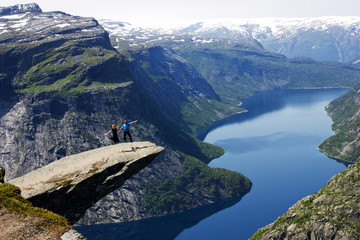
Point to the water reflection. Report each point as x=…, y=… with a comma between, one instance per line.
x=159, y=228
x=275, y=140
x=270, y=101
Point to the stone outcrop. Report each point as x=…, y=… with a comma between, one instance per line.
x=73, y=184
x=20, y=8
x=331, y=213
x=72, y=235
x=57, y=41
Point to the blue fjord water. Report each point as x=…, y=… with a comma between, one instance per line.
x=275, y=145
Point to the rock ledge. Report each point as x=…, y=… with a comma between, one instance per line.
x=73, y=184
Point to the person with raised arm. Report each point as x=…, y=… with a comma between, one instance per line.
x=126, y=127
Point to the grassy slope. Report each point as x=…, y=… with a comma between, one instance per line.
x=65, y=73
x=345, y=112
x=11, y=199
x=176, y=194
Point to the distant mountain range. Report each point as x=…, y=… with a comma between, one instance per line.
x=324, y=38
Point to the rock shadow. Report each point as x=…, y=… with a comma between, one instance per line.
x=159, y=228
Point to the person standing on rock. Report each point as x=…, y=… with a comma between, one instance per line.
x=126, y=127
x=114, y=131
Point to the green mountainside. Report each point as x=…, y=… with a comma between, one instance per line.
x=238, y=68
x=43, y=221
x=176, y=87
x=345, y=112
x=174, y=196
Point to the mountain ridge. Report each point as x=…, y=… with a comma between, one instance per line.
x=322, y=38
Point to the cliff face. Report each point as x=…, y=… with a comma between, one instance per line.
x=62, y=85
x=177, y=88
x=73, y=184
x=243, y=67
x=45, y=52
x=345, y=112
x=331, y=213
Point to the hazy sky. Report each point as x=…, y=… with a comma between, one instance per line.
x=150, y=11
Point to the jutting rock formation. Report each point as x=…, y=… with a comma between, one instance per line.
x=73, y=184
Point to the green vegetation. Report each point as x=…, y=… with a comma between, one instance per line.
x=64, y=183
x=178, y=121
x=173, y=195
x=237, y=70
x=344, y=144
x=11, y=199
x=201, y=112
x=187, y=143
x=73, y=68
x=358, y=228
x=93, y=170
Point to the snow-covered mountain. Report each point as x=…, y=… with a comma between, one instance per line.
x=324, y=38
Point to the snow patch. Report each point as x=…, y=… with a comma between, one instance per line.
x=87, y=30
x=19, y=24
x=14, y=16
x=63, y=25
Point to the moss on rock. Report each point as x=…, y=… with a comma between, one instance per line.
x=11, y=199
x=214, y=184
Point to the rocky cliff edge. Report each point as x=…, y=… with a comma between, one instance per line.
x=73, y=184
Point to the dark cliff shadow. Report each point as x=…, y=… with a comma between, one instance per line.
x=158, y=228
x=346, y=163
x=7, y=103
